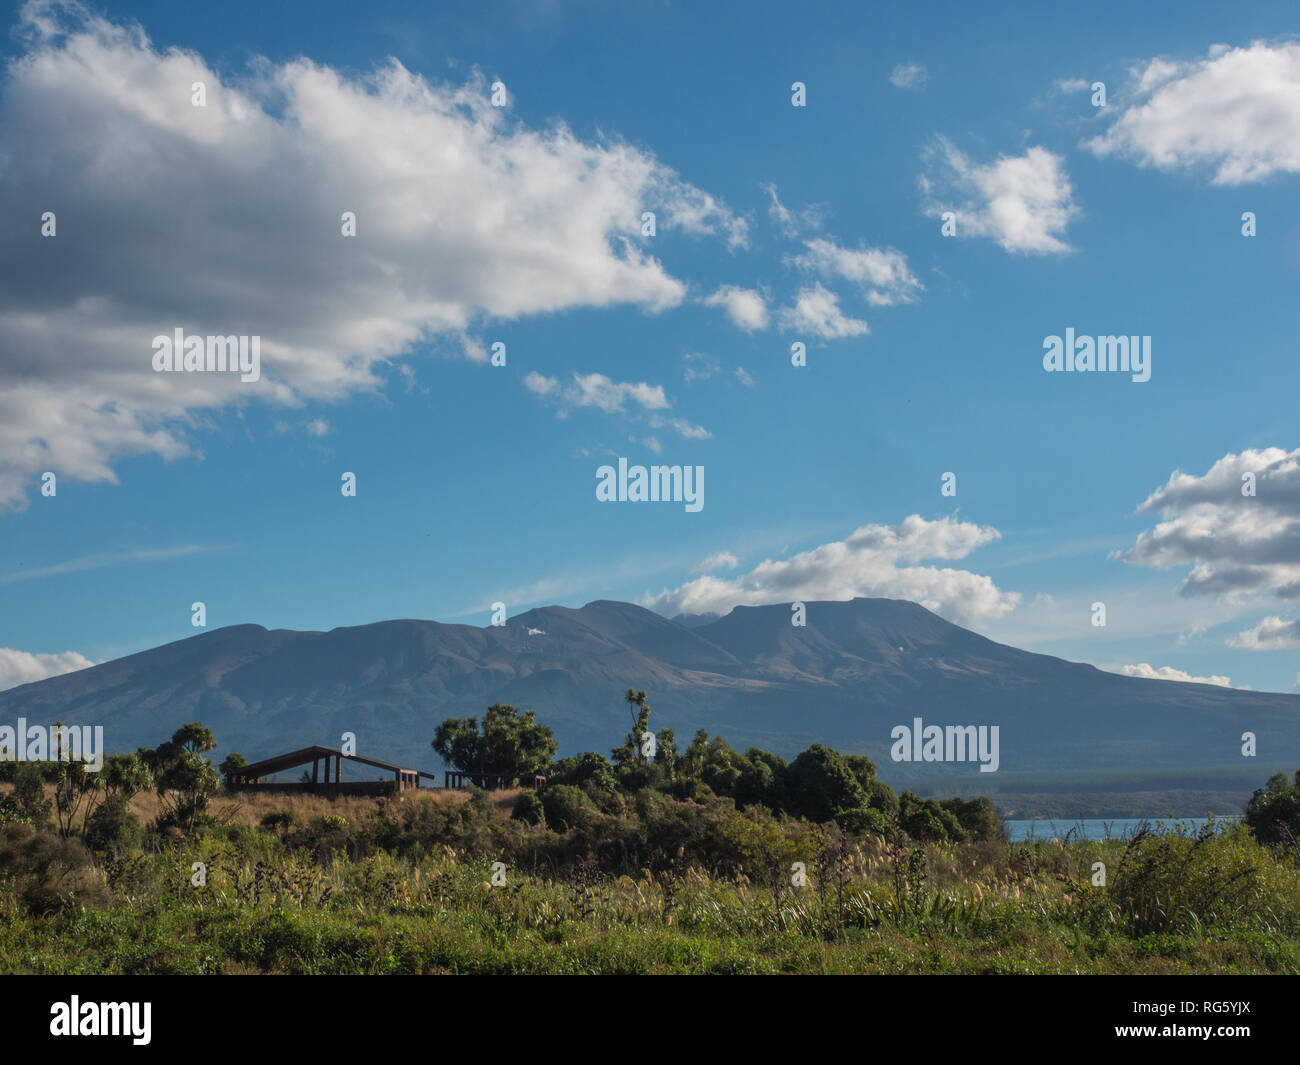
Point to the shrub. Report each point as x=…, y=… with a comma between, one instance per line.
x=323, y=836
x=278, y=821
x=27, y=803
x=1273, y=812
x=568, y=807
x=977, y=817
x=113, y=827
x=820, y=784
x=528, y=809
x=49, y=873
x=926, y=819
x=864, y=821
x=1179, y=883
x=589, y=771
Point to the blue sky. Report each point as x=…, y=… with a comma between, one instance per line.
x=774, y=224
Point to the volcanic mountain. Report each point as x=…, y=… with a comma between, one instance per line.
x=855, y=671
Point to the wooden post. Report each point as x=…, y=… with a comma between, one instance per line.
x=315, y=771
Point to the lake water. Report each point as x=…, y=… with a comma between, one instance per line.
x=1103, y=828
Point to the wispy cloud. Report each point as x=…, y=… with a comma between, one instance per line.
x=111, y=558
x=909, y=76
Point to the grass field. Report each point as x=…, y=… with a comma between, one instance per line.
x=406, y=886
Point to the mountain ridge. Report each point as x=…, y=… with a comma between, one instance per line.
x=854, y=671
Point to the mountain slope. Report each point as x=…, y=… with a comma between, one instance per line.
x=856, y=670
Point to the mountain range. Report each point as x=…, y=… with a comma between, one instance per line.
x=850, y=675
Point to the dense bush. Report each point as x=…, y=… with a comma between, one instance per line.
x=568, y=807
x=48, y=873
x=528, y=808
x=1273, y=812
x=113, y=827
x=1181, y=883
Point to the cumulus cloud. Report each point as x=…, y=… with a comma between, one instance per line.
x=721, y=560
x=1271, y=634
x=643, y=401
x=1023, y=202
x=597, y=390
x=23, y=667
x=745, y=306
x=1145, y=669
x=1234, y=544
x=875, y=560
x=1235, y=113
x=883, y=273
x=909, y=76
x=225, y=220
x=817, y=311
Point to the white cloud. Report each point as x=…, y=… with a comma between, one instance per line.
x=745, y=306
x=883, y=273
x=1144, y=669
x=319, y=427
x=721, y=560
x=1271, y=634
x=700, y=367
x=817, y=310
x=1073, y=84
x=681, y=426
x=640, y=401
x=792, y=223
x=597, y=390
x=875, y=560
x=1235, y=112
x=909, y=76
x=23, y=667
x=110, y=558
x=1023, y=202
x=1234, y=544
x=225, y=219
x=540, y=384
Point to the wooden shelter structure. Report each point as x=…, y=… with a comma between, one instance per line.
x=249, y=777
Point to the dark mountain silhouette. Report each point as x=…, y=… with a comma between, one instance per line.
x=846, y=679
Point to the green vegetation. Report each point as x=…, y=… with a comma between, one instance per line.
x=699, y=860
x=507, y=742
x=1273, y=812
